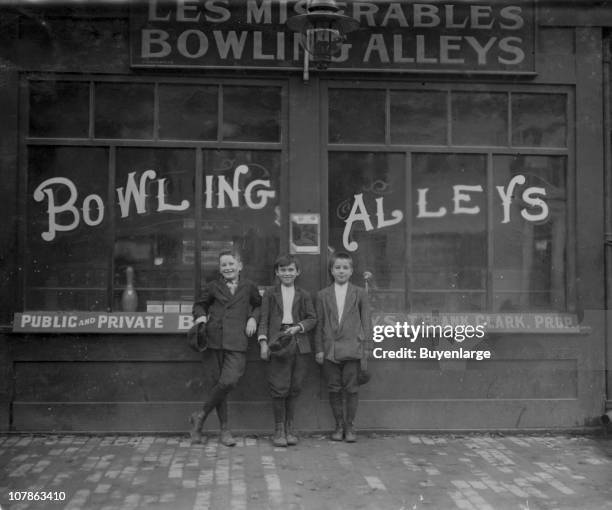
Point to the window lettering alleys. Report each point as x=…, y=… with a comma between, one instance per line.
x=535, y=208
x=256, y=194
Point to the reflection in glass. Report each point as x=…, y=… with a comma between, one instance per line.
x=69, y=270
x=59, y=109
x=188, y=112
x=356, y=116
x=418, y=117
x=246, y=216
x=449, y=232
x=252, y=114
x=529, y=256
x=539, y=120
x=124, y=110
x=152, y=228
x=479, y=118
x=370, y=179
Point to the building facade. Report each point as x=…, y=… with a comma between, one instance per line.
x=458, y=151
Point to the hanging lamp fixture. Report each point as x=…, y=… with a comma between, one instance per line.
x=323, y=31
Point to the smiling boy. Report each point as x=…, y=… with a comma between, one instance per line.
x=230, y=308
x=287, y=313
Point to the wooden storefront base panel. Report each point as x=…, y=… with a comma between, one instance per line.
x=137, y=381
x=256, y=417
x=479, y=380
x=134, y=417
x=467, y=415
x=5, y=415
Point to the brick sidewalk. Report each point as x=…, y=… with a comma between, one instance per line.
x=379, y=472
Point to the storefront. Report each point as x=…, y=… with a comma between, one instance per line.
x=455, y=150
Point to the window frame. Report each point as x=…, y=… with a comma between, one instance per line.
x=489, y=152
x=155, y=142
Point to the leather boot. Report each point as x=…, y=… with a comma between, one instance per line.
x=352, y=401
x=292, y=439
x=196, y=420
x=216, y=397
x=222, y=413
x=226, y=438
x=279, y=438
x=335, y=401
x=289, y=412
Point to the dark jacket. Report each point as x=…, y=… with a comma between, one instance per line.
x=227, y=313
x=302, y=312
x=351, y=338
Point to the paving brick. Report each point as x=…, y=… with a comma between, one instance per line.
x=408, y=472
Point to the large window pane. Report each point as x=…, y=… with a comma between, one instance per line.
x=59, y=109
x=154, y=223
x=449, y=233
x=67, y=249
x=124, y=110
x=356, y=116
x=418, y=118
x=366, y=209
x=539, y=120
x=529, y=253
x=241, y=210
x=252, y=114
x=188, y=112
x=479, y=118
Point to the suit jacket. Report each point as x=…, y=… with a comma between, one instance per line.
x=227, y=313
x=351, y=337
x=302, y=311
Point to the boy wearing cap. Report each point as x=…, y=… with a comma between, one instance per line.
x=287, y=314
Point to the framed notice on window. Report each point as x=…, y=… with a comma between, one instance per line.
x=305, y=233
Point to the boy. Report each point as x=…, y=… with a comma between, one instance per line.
x=287, y=313
x=229, y=307
x=342, y=342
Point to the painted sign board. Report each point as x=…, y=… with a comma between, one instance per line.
x=476, y=36
x=547, y=322
x=101, y=322
x=165, y=323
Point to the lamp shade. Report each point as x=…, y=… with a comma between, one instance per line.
x=323, y=30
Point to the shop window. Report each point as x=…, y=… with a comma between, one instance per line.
x=418, y=117
x=66, y=260
x=539, y=120
x=96, y=214
x=443, y=229
x=479, y=118
x=241, y=191
x=188, y=112
x=251, y=114
x=59, y=109
x=362, y=186
x=124, y=110
x=530, y=256
x=356, y=116
x=470, y=246
x=448, y=254
x=154, y=224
